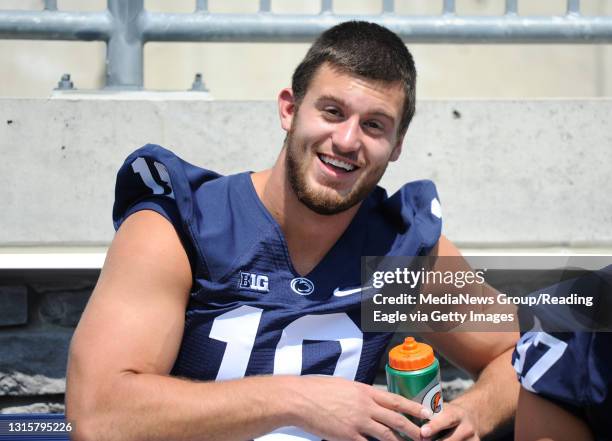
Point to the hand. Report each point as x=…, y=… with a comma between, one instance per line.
x=338, y=409
x=454, y=423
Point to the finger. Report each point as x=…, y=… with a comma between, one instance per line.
x=396, y=421
x=401, y=404
x=463, y=432
x=382, y=432
x=442, y=421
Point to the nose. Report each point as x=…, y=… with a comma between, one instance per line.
x=347, y=135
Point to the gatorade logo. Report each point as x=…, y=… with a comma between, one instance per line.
x=436, y=402
x=433, y=399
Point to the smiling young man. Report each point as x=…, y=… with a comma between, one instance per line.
x=227, y=307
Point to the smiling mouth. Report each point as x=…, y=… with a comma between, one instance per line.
x=336, y=164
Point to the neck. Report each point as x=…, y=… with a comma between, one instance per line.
x=309, y=235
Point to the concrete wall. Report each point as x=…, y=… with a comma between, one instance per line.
x=509, y=173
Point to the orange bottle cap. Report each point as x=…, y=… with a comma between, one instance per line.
x=411, y=356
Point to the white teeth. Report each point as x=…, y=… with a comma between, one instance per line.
x=337, y=163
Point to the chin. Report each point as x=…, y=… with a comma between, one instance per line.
x=326, y=201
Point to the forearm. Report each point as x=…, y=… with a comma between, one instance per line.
x=153, y=407
x=493, y=398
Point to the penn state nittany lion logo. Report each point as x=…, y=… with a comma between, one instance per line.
x=302, y=286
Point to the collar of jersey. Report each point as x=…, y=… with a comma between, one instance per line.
x=345, y=249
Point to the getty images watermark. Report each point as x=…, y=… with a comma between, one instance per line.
x=485, y=293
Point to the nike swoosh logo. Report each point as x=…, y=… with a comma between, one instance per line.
x=347, y=292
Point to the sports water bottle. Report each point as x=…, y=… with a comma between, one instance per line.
x=414, y=372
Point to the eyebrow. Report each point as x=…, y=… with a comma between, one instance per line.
x=343, y=103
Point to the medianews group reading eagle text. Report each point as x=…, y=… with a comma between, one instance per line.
x=468, y=299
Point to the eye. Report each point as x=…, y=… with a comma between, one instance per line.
x=332, y=112
x=374, y=125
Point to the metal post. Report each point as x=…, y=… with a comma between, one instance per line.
x=201, y=5
x=326, y=6
x=265, y=6
x=124, y=53
x=573, y=7
x=511, y=7
x=388, y=6
x=449, y=7
x=50, y=5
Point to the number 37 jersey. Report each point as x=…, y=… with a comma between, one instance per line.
x=250, y=312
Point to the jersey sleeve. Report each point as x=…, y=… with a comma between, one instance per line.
x=153, y=178
x=574, y=367
x=417, y=207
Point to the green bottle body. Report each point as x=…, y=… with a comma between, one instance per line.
x=422, y=386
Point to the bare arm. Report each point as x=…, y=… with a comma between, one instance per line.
x=535, y=414
x=126, y=344
x=118, y=387
x=491, y=402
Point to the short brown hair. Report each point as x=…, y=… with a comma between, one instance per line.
x=362, y=49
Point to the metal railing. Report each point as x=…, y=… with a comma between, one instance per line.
x=126, y=26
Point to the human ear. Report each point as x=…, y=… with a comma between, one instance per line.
x=397, y=149
x=286, y=108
